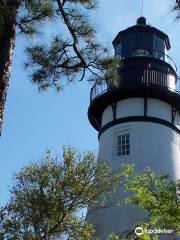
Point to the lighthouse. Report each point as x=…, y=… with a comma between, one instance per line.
x=138, y=120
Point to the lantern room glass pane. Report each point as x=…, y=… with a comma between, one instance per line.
x=141, y=43
x=159, y=48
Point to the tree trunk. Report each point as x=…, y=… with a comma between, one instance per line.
x=9, y=9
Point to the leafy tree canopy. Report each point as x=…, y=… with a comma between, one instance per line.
x=48, y=195
x=159, y=198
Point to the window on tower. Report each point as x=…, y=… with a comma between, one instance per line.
x=123, y=144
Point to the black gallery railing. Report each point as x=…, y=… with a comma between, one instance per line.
x=148, y=77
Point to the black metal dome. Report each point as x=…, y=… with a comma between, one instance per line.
x=144, y=32
x=142, y=21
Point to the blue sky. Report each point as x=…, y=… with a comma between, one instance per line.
x=35, y=121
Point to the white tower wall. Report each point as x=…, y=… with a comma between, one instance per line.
x=151, y=144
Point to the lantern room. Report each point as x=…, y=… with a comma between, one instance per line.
x=141, y=40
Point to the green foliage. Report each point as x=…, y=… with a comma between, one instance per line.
x=158, y=197
x=33, y=13
x=176, y=9
x=70, y=50
x=110, y=68
x=48, y=195
x=113, y=237
x=72, y=53
x=54, y=67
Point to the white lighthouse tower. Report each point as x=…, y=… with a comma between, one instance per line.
x=138, y=121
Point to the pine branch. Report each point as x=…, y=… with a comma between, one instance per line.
x=75, y=39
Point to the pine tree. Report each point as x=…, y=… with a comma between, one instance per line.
x=16, y=15
x=176, y=9
x=8, y=16
x=71, y=55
